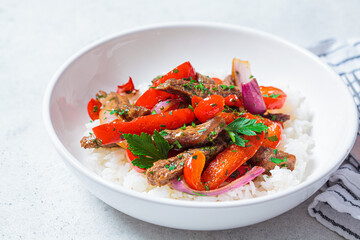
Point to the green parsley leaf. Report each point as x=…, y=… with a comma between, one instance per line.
x=246, y=126
x=176, y=71
x=183, y=127
x=275, y=151
x=215, y=88
x=251, y=77
x=191, y=107
x=95, y=109
x=163, y=133
x=148, y=149
x=193, y=124
x=199, y=194
x=172, y=167
x=273, y=138
x=153, y=112
x=195, y=157
x=177, y=144
x=277, y=160
x=202, y=130
x=274, y=95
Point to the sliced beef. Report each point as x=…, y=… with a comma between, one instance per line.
x=204, y=79
x=116, y=106
x=187, y=89
x=196, y=136
x=92, y=142
x=277, y=117
x=163, y=171
x=263, y=157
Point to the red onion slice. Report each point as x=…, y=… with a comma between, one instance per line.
x=252, y=98
x=166, y=105
x=245, y=179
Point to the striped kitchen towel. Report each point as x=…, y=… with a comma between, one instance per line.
x=338, y=206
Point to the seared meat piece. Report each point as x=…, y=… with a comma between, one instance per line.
x=116, y=106
x=163, y=171
x=277, y=117
x=228, y=80
x=196, y=136
x=263, y=157
x=204, y=79
x=92, y=142
x=187, y=89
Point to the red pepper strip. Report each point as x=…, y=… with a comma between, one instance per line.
x=229, y=160
x=152, y=96
x=217, y=80
x=195, y=101
x=233, y=101
x=209, y=107
x=93, y=109
x=274, y=98
x=274, y=134
x=127, y=87
x=193, y=169
x=184, y=70
x=131, y=157
x=111, y=132
x=229, y=117
x=239, y=172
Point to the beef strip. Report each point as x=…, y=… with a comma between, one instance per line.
x=277, y=117
x=196, y=136
x=187, y=89
x=204, y=79
x=92, y=142
x=163, y=171
x=263, y=157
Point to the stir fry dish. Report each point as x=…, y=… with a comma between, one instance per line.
x=199, y=134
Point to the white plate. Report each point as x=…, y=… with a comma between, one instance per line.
x=144, y=52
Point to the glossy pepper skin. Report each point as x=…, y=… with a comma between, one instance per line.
x=209, y=107
x=126, y=88
x=112, y=132
x=184, y=70
x=229, y=160
x=274, y=98
x=152, y=96
x=193, y=169
x=93, y=109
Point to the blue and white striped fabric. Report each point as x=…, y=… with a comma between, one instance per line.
x=338, y=206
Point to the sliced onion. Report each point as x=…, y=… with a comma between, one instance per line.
x=245, y=179
x=252, y=98
x=167, y=105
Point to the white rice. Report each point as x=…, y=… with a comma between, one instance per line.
x=112, y=165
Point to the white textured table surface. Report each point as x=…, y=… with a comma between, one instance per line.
x=39, y=197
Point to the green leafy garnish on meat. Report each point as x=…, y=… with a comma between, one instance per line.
x=278, y=160
x=243, y=126
x=148, y=149
x=273, y=138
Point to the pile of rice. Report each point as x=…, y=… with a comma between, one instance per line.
x=112, y=165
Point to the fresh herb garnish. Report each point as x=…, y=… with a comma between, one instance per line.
x=183, y=127
x=153, y=112
x=172, y=167
x=278, y=160
x=95, y=109
x=176, y=71
x=195, y=157
x=148, y=149
x=191, y=107
x=274, y=95
x=202, y=130
x=177, y=144
x=275, y=151
x=193, y=124
x=199, y=194
x=213, y=133
x=273, y=138
x=163, y=133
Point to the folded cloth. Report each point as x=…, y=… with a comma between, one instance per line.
x=338, y=206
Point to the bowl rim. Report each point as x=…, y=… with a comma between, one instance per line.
x=76, y=164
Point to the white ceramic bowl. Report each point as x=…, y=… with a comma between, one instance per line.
x=145, y=52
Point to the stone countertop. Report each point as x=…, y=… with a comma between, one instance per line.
x=39, y=197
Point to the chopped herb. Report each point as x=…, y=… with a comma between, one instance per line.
x=114, y=129
x=199, y=194
x=215, y=88
x=181, y=164
x=224, y=87
x=179, y=156
x=167, y=101
x=162, y=125
x=248, y=146
x=177, y=144
x=153, y=112
x=213, y=104
x=170, y=112
x=176, y=71
x=195, y=157
x=231, y=87
x=167, y=166
x=193, y=124
x=226, y=173
x=275, y=151
x=277, y=160
x=213, y=133
x=202, y=130
x=172, y=167
x=273, y=138
x=265, y=95
x=163, y=133
x=90, y=133
x=179, y=178
x=274, y=95
x=183, y=127
x=207, y=188
x=234, y=151
x=191, y=107
x=283, y=165
x=273, y=117
x=95, y=109
x=148, y=149
x=251, y=77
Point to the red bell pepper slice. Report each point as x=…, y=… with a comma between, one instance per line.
x=152, y=96
x=131, y=157
x=126, y=88
x=112, y=132
x=209, y=107
x=233, y=101
x=229, y=117
x=274, y=98
x=195, y=101
x=193, y=169
x=93, y=109
x=238, y=172
x=184, y=70
x=229, y=160
x=217, y=80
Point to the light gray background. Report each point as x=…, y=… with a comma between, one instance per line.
x=39, y=197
